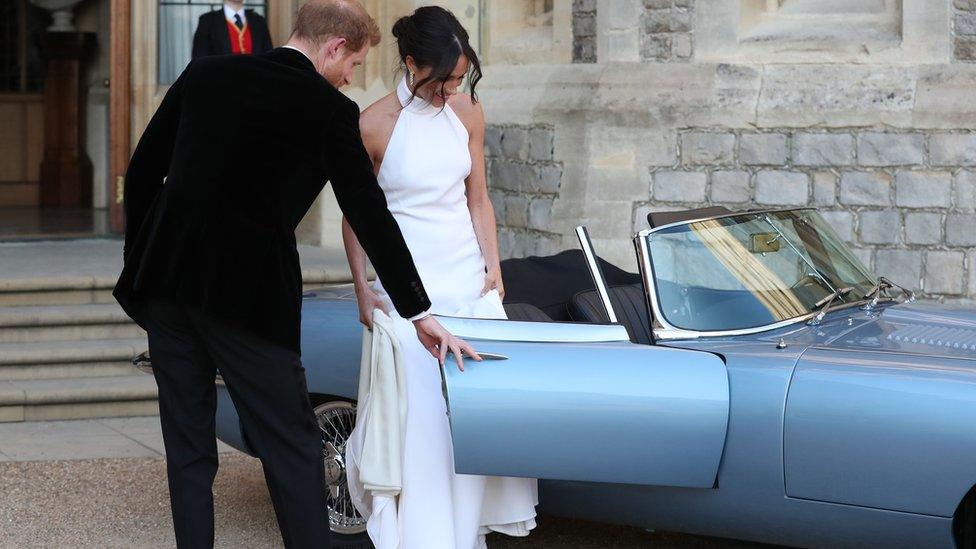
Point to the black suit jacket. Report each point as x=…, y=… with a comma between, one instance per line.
x=241, y=170
x=211, y=37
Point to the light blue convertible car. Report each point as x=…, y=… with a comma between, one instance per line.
x=752, y=380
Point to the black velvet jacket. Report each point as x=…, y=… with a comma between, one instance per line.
x=212, y=38
x=245, y=143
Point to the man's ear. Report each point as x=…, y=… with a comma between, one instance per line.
x=335, y=47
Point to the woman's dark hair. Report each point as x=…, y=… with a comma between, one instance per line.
x=436, y=39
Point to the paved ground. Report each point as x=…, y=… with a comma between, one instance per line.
x=102, y=483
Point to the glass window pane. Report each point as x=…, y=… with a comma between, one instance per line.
x=177, y=23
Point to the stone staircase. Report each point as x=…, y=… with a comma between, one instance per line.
x=65, y=352
x=66, y=346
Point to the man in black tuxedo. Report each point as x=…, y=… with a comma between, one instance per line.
x=231, y=29
x=211, y=265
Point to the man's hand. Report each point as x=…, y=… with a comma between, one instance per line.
x=439, y=341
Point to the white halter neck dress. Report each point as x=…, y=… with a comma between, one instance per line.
x=422, y=174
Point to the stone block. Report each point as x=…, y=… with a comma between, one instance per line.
x=659, y=148
x=952, y=149
x=707, y=148
x=584, y=5
x=864, y=255
x=493, y=141
x=961, y=230
x=965, y=49
x=540, y=144
x=681, y=44
x=657, y=4
x=680, y=21
x=964, y=191
x=730, y=186
x=890, y=149
x=540, y=212
x=842, y=222
x=514, y=143
x=835, y=95
x=505, y=175
x=881, y=227
x=903, y=267
x=823, y=149
x=923, y=228
x=498, y=204
x=944, y=272
x=656, y=47
x=672, y=186
x=865, y=189
x=547, y=180
x=584, y=25
x=655, y=21
x=927, y=189
x=782, y=187
x=965, y=24
x=824, y=188
x=971, y=286
x=763, y=149
x=516, y=211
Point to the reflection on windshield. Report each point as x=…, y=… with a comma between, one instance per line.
x=750, y=270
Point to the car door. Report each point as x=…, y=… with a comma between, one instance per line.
x=574, y=401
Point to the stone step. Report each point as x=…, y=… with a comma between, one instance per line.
x=59, y=290
x=46, y=399
x=69, y=359
x=65, y=322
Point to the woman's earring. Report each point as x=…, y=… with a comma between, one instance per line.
x=410, y=79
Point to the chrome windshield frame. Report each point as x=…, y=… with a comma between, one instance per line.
x=664, y=330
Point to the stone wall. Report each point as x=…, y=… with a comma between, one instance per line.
x=904, y=200
x=666, y=30
x=584, y=31
x=964, y=30
x=887, y=153
x=524, y=182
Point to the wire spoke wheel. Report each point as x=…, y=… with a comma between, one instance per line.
x=336, y=419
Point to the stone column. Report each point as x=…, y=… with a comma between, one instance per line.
x=66, y=170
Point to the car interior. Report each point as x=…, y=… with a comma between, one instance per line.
x=560, y=288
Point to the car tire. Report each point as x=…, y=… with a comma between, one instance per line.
x=336, y=418
x=964, y=522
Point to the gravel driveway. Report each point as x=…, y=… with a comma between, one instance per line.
x=123, y=503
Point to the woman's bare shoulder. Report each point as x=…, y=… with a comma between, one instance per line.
x=377, y=120
x=468, y=110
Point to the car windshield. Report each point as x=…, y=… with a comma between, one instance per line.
x=751, y=270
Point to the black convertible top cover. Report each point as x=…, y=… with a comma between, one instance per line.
x=549, y=282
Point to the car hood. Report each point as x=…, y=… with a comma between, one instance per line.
x=920, y=329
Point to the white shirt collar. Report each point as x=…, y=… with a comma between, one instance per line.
x=299, y=51
x=229, y=13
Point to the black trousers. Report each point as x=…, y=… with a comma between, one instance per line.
x=267, y=385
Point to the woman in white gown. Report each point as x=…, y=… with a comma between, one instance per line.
x=427, y=145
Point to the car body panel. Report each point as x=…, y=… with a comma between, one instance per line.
x=605, y=412
x=881, y=429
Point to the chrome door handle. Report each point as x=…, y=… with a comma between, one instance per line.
x=486, y=356
x=491, y=356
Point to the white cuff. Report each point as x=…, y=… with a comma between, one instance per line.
x=419, y=316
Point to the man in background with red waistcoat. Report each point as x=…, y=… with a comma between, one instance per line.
x=231, y=30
